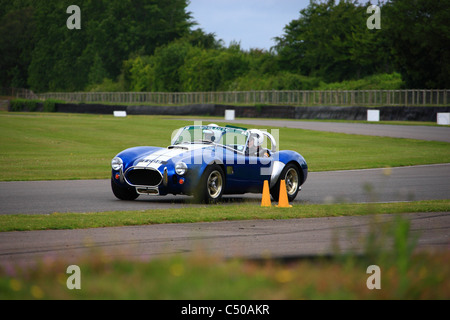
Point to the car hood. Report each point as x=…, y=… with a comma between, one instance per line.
x=170, y=154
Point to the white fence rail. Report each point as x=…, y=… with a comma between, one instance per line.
x=416, y=97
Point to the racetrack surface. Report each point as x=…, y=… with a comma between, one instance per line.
x=427, y=182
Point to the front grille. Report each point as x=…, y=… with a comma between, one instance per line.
x=143, y=177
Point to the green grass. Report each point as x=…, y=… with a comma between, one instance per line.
x=67, y=146
x=209, y=214
x=43, y=146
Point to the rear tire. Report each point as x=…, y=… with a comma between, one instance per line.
x=291, y=176
x=123, y=193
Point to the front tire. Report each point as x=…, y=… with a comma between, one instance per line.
x=211, y=186
x=123, y=193
x=291, y=176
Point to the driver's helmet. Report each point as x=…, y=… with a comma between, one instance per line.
x=257, y=136
x=211, y=135
x=208, y=135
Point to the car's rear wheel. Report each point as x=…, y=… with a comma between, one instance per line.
x=123, y=193
x=211, y=186
x=291, y=176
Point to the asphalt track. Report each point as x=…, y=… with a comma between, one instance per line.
x=426, y=182
x=251, y=239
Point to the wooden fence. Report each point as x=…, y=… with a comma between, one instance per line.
x=416, y=97
x=18, y=93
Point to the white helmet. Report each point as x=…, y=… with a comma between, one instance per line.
x=212, y=134
x=257, y=136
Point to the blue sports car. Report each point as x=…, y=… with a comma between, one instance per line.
x=208, y=161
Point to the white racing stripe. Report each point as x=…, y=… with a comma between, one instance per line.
x=154, y=165
x=154, y=160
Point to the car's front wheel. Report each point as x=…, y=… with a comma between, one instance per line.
x=291, y=176
x=123, y=193
x=211, y=186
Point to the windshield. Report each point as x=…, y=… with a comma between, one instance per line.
x=231, y=137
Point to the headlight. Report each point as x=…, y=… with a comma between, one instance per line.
x=180, y=168
x=116, y=163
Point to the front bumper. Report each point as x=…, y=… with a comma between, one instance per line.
x=170, y=183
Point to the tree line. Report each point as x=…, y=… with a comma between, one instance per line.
x=154, y=45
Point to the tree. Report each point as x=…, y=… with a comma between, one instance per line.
x=214, y=69
x=16, y=46
x=419, y=35
x=38, y=49
x=167, y=63
x=332, y=41
x=201, y=39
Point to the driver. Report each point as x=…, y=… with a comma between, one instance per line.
x=255, y=142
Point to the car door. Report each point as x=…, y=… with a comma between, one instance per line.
x=249, y=172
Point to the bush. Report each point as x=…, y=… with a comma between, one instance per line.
x=280, y=81
x=18, y=105
x=49, y=105
x=383, y=81
x=213, y=70
x=24, y=105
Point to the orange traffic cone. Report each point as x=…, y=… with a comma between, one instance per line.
x=283, y=201
x=265, y=202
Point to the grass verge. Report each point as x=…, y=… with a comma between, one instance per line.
x=209, y=214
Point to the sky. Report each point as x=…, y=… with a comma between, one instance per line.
x=253, y=23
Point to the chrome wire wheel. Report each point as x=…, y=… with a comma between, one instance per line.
x=214, y=184
x=291, y=180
